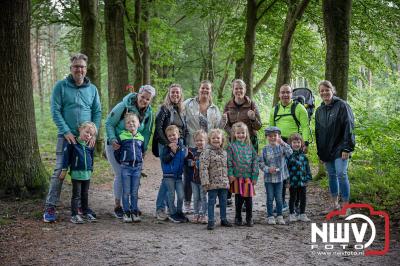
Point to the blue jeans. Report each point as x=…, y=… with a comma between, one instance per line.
x=55, y=183
x=338, y=179
x=162, y=196
x=222, y=194
x=130, y=187
x=173, y=185
x=199, y=199
x=117, y=172
x=274, y=191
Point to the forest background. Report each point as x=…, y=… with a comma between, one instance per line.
x=355, y=44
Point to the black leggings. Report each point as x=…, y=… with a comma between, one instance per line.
x=298, y=193
x=187, y=185
x=239, y=200
x=80, y=196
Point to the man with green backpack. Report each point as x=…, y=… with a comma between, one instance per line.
x=290, y=116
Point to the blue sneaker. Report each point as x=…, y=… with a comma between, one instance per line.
x=285, y=207
x=49, y=215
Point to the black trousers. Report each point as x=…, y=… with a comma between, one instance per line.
x=297, y=194
x=187, y=185
x=239, y=200
x=80, y=196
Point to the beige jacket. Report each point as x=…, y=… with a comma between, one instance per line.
x=213, y=168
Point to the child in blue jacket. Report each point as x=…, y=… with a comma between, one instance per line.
x=79, y=159
x=130, y=157
x=172, y=162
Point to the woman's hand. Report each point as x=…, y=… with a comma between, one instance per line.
x=62, y=175
x=92, y=142
x=345, y=155
x=115, y=145
x=231, y=179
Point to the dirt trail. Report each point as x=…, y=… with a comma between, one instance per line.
x=29, y=241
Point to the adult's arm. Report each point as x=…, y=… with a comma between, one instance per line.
x=227, y=126
x=96, y=110
x=112, y=121
x=147, y=127
x=56, y=106
x=302, y=116
x=255, y=123
x=162, y=119
x=348, y=124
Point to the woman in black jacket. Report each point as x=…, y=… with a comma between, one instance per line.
x=334, y=125
x=170, y=113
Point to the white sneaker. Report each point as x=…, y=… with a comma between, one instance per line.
x=161, y=215
x=77, y=219
x=303, y=217
x=271, y=220
x=186, y=208
x=127, y=218
x=90, y=218
x=135, y=217
x=292, y=218
x=279, y=220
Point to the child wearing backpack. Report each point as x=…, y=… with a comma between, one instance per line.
x=130, y=156
x=273, y=164
x=242, y=171
x=299, y=175
x=79, y=159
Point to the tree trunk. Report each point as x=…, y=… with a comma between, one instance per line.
x=224, y=79
x=144, y=38
x=90, y=46
x=116, y=51
x=249, y=43
x=239, y=68
x=296, y=9
x=22, y=172
x=337, y=14
x=136, y=45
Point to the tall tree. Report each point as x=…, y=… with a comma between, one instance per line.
x=116, y=51
x=295, y=11
x=337, y=14
x=90, y=46
x=22, y=171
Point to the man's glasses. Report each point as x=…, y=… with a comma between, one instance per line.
x=78, y=67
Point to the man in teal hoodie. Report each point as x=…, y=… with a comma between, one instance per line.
x=74, y=100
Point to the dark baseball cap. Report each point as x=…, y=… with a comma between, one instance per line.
x=271, y=129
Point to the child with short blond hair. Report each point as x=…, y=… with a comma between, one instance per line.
x=214, y=176
x=242, y=171
x=78, y=158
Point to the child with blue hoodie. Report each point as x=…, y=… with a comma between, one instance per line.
x=78, y=158
x=130, y=157
x=172, y=162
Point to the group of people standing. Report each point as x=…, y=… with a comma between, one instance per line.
x=189, y=138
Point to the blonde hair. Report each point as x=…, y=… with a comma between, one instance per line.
x=167, y=99
x=210, y=84
x=171, y=128
x=201, y=133
x=246, y=130
x=219, y=132
x=327, y=84
x=88, y=124
x=131, y=116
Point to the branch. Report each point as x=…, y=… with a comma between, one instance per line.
x=266, y=10
x=260, y=3
x=179, y=20
x=267, y=75
x=74, y=14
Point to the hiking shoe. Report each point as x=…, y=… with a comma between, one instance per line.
x=182, y=217
x=271, y=220
x=285, y=207
x=292, y=217
x=161, y=215
x=49, y=215
x=303, y=217
x=118, y=212
x=225, y=223
x=238, y=221
x=203, y=219
x=77, y=219
x=210, y=226
x=279, y=220
x=89, y=218
x=174, y=218
x=126, y=217
x=250, y=223
x=135, y=216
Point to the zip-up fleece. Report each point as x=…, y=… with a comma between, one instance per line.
x=213, y=168
x=78, y=158
x=172, y=163
x=71, y=105
x=115, y=120
x=131, y=150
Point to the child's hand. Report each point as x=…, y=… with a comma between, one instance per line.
x=115, y=145
x=206, y=187
x=254, y=182
x=173, y=147
x=279, y=140
x=231, y=179
x=62, y=175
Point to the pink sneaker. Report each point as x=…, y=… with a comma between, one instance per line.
x=195, y=218
x=203, y=219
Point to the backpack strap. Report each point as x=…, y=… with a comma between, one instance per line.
x=293, y=112
x=276, y=109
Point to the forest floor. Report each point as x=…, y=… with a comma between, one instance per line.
x=26, y=240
